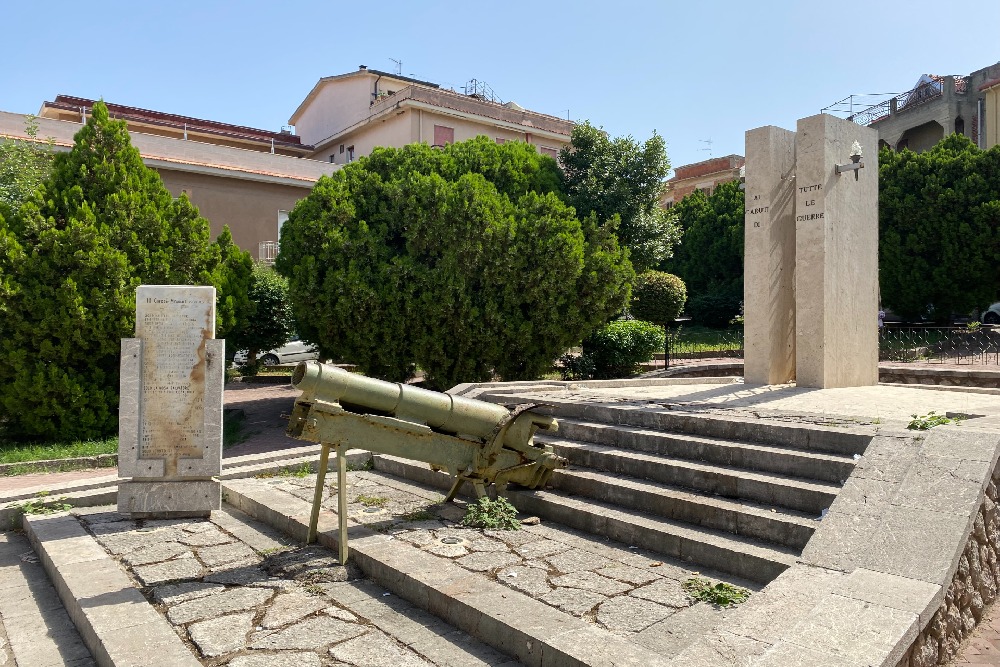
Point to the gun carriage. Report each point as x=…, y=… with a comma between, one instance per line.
x=474, y=441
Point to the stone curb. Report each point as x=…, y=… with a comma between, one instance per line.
x=103, y=490
x=117, y=624
x=509, y=621
x=61, y=465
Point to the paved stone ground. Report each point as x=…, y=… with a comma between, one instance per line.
x=632, y=592
x=982, y=649
x=244, y=596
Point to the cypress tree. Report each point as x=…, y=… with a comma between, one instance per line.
x=70, y=261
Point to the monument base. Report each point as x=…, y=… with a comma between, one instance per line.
x=148, y=499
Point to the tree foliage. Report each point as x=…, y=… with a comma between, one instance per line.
x=658, y=297
x=70, y=260
x=619, y=180
x=939, y=228
x=269, y=323
x=23, y=167
x=464, y=261
x=710, y=255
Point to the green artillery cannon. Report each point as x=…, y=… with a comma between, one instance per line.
x=474, y=441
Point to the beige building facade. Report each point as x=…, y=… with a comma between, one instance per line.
x=249, y=179
x=345, y=117
x=249, y=190
x=705, y=176
x=991, y=112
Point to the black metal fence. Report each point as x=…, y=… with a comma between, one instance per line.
x=931, y=345
x=941, y=345
x=702, y=343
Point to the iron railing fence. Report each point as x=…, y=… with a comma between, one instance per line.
x=683, y=344
x=925, y=92
x=940, y=345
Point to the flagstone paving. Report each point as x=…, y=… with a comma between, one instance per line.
x=615, y=586
x=242, y=595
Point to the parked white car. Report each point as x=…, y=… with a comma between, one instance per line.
x=291, y=352
x=991, y=315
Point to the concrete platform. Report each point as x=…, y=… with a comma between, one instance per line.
x=887, y=404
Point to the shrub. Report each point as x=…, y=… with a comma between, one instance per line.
x=716, y=308
x=617, y=349
x=456, y=260
x=658, y=297
x=268, y=324
x=496, y=514
x=576, y=367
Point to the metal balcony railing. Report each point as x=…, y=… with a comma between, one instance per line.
x=267, y=252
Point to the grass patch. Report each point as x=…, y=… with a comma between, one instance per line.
x=24, y=452
x=721, y=594
x=929, y=421
x=372, y=501
x=43, y=504
x=419, y=515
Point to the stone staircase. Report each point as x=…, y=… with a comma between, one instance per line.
x=739, y=496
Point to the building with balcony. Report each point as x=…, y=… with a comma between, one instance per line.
x=249, y=179
x=935, y=107
x=345, y=116
x=991, y=113
x=705, y=176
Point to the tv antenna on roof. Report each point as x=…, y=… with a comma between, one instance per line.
x=709, y=147
x=399, y=65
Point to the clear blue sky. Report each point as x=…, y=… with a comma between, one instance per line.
x=692, y=70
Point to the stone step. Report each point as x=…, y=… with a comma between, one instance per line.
x=101, y=599
x=777, y=526
x=752, y=456
x=34, y=626
x=735, y=554
x=843, y=439
x=103, y=494
x=811, y=497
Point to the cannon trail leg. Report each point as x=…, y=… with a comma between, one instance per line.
x=456, y=485
x=324, y=461
x=342, y=501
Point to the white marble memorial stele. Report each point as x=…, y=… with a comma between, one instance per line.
x=170, y=418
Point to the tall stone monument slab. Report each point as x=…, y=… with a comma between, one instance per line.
x=836, y=255
x=769, y=256
x=170, y=416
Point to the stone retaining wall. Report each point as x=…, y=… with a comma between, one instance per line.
x=947, y=377
x=973, y=587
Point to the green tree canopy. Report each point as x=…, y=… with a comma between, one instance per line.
x=939, y=228
x=710, y=255
x=619, y=181
x=23, y=167
x=70, y=260
x=269, y=323
x=464, y=261
x=658, y=297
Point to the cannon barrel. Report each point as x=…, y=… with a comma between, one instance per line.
x=443, y=412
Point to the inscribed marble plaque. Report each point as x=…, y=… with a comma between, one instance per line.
x=174, y=324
